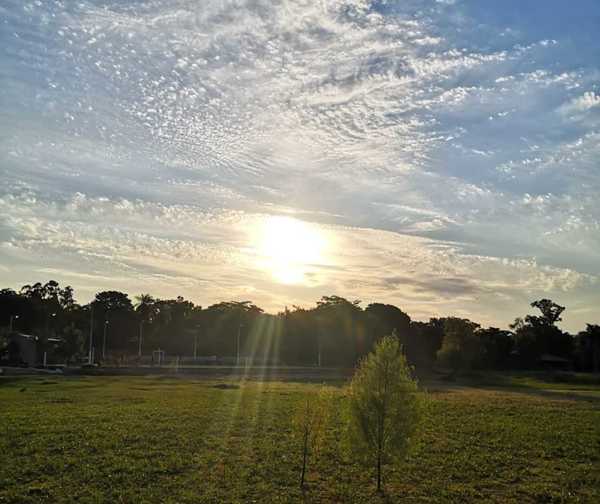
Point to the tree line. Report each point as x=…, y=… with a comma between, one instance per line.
x=335, y=332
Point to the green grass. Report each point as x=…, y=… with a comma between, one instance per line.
x=101, y=439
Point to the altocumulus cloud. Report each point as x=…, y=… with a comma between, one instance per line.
x=448, y=151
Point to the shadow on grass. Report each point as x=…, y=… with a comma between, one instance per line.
x=549, y=385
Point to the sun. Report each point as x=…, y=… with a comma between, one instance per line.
x=288, y=247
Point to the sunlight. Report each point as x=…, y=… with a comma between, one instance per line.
x=288, y=247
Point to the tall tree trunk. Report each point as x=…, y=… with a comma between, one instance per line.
x=379, y=471
x=304, y=455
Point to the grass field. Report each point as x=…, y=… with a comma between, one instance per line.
x=162, y=439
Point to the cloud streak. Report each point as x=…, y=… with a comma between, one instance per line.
x=145, y=141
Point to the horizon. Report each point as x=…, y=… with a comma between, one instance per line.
x=437, y=155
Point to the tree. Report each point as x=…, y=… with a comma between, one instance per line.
x=309, y=425
x=145, y=307
x=496, y=346
x=146, y=311
x=383, y=405
x=383, y=319
x=111, y=301
x=300, y=336
x=15, y=305
x=33, y=291
x=593, y=332
x=423, y=342
x=174, y=325
x=227, y=324
x=65, y=298
x=589, y=347
x=537, y=335
x=460, y=348
x=341, y=335
x=116, y=307
x=388, y=318
x=550, y=310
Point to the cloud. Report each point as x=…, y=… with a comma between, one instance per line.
x=583, y=103
x=99, y=243
x=147, y=138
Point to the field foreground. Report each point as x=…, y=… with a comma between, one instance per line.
x=163, y=439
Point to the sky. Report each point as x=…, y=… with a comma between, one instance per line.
x=439, y=155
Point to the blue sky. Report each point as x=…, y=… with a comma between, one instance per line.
x=447, y=150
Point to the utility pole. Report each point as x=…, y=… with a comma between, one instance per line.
x=140, y=339
x=10, y=324
x=104, y=340
x=90, y=356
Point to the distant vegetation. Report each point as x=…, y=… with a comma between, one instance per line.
x=336, y=332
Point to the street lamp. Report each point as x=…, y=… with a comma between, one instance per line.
x=10, y=324
x=104, y=340
x=53, y=317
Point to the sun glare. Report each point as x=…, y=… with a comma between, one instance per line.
x=288, y=247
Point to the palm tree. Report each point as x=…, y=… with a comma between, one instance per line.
x=592, y=334
x=146, y=309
